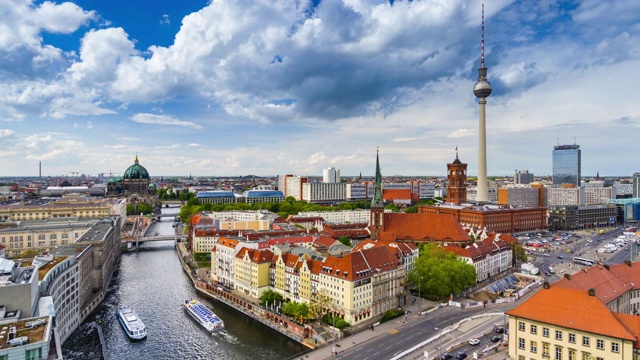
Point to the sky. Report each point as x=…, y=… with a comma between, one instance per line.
x=256, y=87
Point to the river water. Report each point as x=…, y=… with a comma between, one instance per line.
x=151, y=280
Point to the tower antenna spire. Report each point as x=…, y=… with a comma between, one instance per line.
x=482, y=40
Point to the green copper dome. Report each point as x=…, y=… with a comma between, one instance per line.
x=136, y=171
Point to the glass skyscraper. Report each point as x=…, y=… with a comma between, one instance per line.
x=566, y=165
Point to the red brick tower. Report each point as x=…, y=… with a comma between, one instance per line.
x=457, y=176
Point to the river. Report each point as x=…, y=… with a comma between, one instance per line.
x=152, y=281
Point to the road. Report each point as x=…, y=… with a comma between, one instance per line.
x=410, y=335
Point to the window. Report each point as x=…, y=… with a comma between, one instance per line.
x=521, y=343
x=585, y=341
x=545, y=332
x=600, y=344
x=558, y=353
x=615, y=347
x=545, y=349
x=558, y=335
x=534, y=329
x=521, y=326
x=572, y=354
x=572, y=338
x=534, y=347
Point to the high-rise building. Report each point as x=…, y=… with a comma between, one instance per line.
x=566, y=165
x=482, y=89
x=636, y=184
x=523, y=177
x=331, y=175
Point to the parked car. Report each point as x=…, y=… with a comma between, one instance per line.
x=499, y=330
x=474, y=341
x=446, y=356
x=496, y=338
x=461, y=355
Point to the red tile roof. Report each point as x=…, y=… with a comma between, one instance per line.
x=573, y=309
x=360, y=264
x=607, y=286
x=396, y=194
x=324, y=242
x=627, y=272
x=425, y=227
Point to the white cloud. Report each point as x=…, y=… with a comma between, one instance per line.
x=458, y=133
x=145, y=118
x=6, y=133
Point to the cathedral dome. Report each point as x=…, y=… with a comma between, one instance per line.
x=136, y=171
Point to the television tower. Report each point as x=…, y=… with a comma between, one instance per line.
x=482, y=89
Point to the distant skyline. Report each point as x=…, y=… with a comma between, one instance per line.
x=231, y=88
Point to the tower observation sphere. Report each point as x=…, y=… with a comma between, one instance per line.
x=482, y=89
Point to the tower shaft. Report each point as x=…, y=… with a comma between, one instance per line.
x=483, y=192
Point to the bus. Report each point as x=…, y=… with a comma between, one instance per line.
x=584, y=261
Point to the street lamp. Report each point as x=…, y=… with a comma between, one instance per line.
x=420, y=302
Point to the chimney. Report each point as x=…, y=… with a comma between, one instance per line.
x=567, y=276
x=628, y=263
x=606, y=266
x=592, y=292
x=545, y=285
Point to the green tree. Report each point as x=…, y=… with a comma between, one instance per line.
x=392, y=207
x=439, y=272
x=319, y=303
x=131, y=209
x=345, y=240
x=194, y=202
x=145, y=208
x=519, y=253
x=270, y=297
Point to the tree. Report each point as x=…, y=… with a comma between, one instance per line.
x=145, y=208
x=518, y=253
x=131, y=209
x=345, y=240
x=270, y=297
x=320, y=302
x=439, y=272
x=194, y=202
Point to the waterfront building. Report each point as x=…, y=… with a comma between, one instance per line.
x=19, y=287
x=251, y=268
x=567, y=165
x=555, y=323
x=135, y=183
x=223, y=256
x=104, y=238
x=216, y=197
x=42, y=236
x=522, y=177
x=291, y=185
x=519, y=196
x=331, y=175
x=39, y=343
x=324, y=192
x=573, y=217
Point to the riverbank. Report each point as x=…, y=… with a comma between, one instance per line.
x=276, y=322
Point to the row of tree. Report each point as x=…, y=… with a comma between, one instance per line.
x=139, y=208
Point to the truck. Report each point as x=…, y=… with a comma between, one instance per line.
x=528, y=268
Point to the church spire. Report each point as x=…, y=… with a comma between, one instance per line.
x=136, y=161
x=377, y=188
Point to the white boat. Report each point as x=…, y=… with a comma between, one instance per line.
x=131, y=323
x=204, y=316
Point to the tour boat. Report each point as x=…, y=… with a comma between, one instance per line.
x=204, y=316
x=131, y=323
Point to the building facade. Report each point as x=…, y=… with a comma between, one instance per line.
x=519, y=196
x=324, y=192
x=135, y=181
x=331, y=175
x=457, y=178
x=522, y=177
x=567, y=165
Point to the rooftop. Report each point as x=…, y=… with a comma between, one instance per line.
x=96, y=233
x=22, y=328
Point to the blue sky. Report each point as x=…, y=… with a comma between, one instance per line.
x=274, y=87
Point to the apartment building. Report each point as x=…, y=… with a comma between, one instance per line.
x=252, y=271
x=291, y=185
x=356, y=192
x=561, y=196
x=519, y=196
x=489, y=256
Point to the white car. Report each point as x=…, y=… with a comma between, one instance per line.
x=474, y=341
